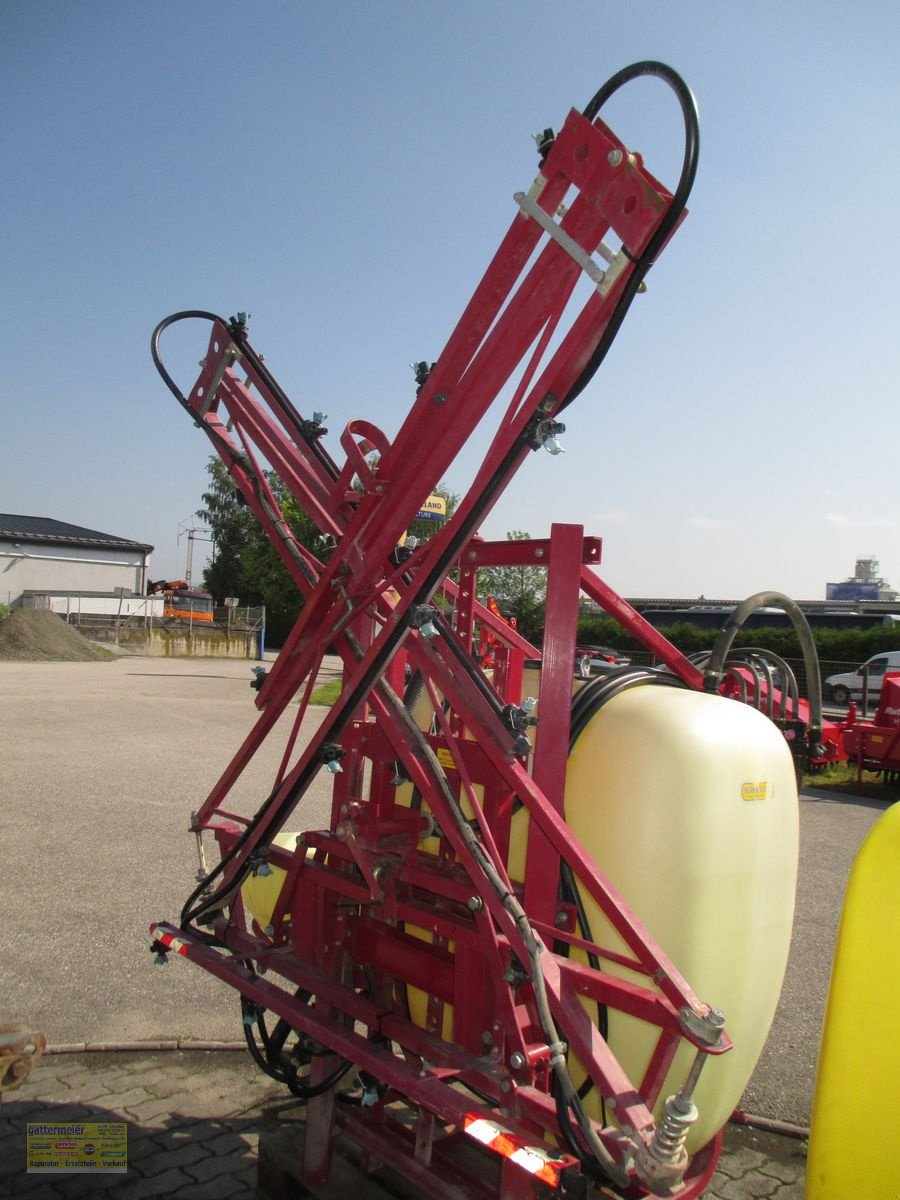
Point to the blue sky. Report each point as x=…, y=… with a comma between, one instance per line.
x=344, y=172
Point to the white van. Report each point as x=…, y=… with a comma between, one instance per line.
x=850, y=685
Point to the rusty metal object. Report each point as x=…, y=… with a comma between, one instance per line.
x=20, y=1050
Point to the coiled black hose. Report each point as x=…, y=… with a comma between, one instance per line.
x=270, y=1059
x=288, y=412
x=715, y=667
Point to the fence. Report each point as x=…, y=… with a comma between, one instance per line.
x=247, y=620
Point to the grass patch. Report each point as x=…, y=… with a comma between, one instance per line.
x=326, y=694
x=841, y=777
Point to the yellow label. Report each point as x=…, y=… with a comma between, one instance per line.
x=445, y=758
x=54, y=1147
x=754, y=791
x=433, y=509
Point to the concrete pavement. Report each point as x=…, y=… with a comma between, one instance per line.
x=102, y=765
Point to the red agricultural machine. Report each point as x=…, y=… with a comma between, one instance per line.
x=875, y=745
x=501, y=968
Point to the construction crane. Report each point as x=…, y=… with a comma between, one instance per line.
x=509, y=952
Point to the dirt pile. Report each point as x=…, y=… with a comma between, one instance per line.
x=37, y=635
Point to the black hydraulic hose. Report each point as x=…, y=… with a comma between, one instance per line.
x=199, y=314
x=287, y=1074
x=670, y=217
x=289, y=412
x=762, y=664
x=469, y=667
x=569, y=892
x=564, y=1120
x=595, y=694
x=714, y=669
x=271, y=1061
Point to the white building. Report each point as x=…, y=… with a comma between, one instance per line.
x=43, y=556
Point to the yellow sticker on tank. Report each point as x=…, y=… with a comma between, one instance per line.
x=754, y=791
x=445, y=758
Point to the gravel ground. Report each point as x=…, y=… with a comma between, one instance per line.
x=36, y=635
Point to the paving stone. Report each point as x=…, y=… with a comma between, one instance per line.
x=13, y=1160
x=40, y=1083
x=715, y=1185
x=180, y=1156
x=120, y=1101
x=30, y=1185
x=788, y=1191
x=216, y=1189
x=785, y=1172
x=752, y=1185
x=144, y=1144
x=19, y=1109
x=89, y=1090
x=148, y=1108
x=166, y=1081
x=91, y=1184
x=233, y=1142
x=49, y=1091
x=179, y=1134
x=166, y=1184
x=210, y=1168
x=738, y=1162
x=195, y=1119
x=43, y=1190
x=64, y=1114
x=214, y=1107
x=115, y=1080
x=142, y=1062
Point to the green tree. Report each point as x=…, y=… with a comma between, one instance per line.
x=246, y=563
x=232, y=527
x=519, y=592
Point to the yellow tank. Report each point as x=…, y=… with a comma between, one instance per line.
x=688, y=804
x=856, y=1104
x=260, y=892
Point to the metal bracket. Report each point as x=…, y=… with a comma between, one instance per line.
x=228, y=359
x=603, y=279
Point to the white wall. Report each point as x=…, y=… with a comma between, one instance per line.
x=108, y=606
x=28, y=567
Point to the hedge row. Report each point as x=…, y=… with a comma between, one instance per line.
x=833, y=645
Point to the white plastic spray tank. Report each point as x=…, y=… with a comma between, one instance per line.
x=688, y=804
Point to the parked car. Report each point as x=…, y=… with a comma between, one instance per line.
x=849, y=684
x=591, y=660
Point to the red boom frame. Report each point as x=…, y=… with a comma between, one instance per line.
x=338, y=955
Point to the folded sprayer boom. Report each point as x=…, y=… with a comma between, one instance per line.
x=448, y=934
